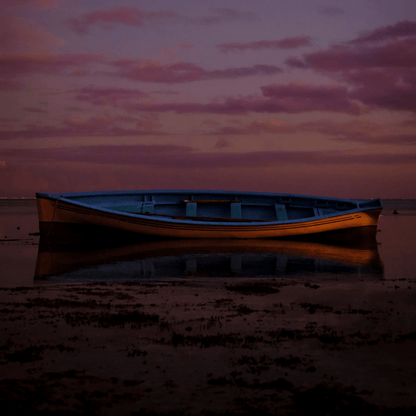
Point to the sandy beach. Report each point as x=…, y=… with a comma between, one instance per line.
x=274, y=347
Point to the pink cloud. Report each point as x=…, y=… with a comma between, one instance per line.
x=401, y=139
x=300, y=98
x=42, y=4
x=354, y=131
x=181, y=72
x=220, y=15
x=80, y=73
x=257, y=127
x=129, y=16
x=146, y=155
x=222, y=144
x=287, y=43
x=108, y=96
x=10, y=84
x=14, y=66
x=401, y=53
x=400, y=29
x=380, y=76
x=277, y=98
x=296, y=63
x=186, y=45
x=23, y=36
x=34, y=110
x=330, y=10
x=226, y=14
x=390, y=88
x=184, y=157
x=104, y=125
x=132, y=16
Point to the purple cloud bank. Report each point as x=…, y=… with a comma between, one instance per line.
x=380, y=75
x=92, y=127
x=181, y=72
x=287, y=43
x=183, y=157
x=276, y=98
x=400, y=29
x=108, y=96
x=132, y=16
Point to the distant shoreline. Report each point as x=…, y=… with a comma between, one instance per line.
x=19, y=198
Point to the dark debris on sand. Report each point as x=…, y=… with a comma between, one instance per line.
x=236, y=349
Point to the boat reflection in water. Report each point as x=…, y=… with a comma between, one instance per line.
x=198, y=259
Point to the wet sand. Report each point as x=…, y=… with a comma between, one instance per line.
x=281, y=346
x=332, y=343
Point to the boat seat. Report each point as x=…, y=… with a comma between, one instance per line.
x=317, y=212
x=191, y=209
x=139, y=208
x=236, y=210
x=281, y=213
x=147, y=207
x=127, y=208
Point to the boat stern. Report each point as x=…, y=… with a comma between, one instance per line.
x=46, y=207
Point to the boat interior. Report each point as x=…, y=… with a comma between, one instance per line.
x=220, y=205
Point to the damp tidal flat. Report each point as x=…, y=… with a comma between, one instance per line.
x=317, y=327
x=191, y=349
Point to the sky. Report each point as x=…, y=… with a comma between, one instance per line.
x=314, y=97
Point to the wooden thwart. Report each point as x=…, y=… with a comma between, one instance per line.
x=216, y=219
x=211, y=201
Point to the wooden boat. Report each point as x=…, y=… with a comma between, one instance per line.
x=208, y=214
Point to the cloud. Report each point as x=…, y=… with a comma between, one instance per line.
x=338, y=58
x=14, y=66
x=287, y=43
x=296, y=98
x=184, y=157
x=351, y=131
x=45, y=64
x=223, y=14
x=132, y=16
x=181, y=72
x=42, y=4
x=99, y=126
x=256, y=127
x=145, y=155
x=19, y=36
x=400, y=29
x=330, y=10
x=401, y=139
x=277, y=98
x=391, y=89
x=107, y=19
x=186, y=45
x=380, y=75
x=35, y=110
x=108, y=96
x=222, y=144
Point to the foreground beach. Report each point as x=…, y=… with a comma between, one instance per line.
x=274, y=347
x=302, y=328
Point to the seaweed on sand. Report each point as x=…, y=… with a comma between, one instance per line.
x=261, y=288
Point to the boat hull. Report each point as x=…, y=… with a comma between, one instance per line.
x=55, y=210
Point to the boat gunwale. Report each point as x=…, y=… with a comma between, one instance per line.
x=235, y=224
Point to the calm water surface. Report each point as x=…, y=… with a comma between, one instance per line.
x=23, y=262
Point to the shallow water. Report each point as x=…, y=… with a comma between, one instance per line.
x=24, y=263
